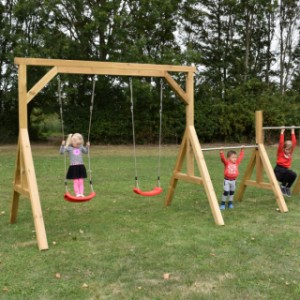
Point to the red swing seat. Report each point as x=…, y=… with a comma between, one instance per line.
x=71, y=198
x=156, y=191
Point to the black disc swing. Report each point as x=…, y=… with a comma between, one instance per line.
x=67, y=196
x=157, y=189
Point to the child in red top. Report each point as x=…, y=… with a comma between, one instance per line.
x=231, y=172
x=284, y=162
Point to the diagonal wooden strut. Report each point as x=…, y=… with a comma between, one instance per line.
x=296, y=188
x=41, y=84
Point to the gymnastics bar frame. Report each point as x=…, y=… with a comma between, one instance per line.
x=25, y=182
x=260, y=162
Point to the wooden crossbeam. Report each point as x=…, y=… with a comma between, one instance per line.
x=187, y=178
x=100, y=65
x=92, y=70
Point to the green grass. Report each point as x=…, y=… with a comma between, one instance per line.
x=119, y=245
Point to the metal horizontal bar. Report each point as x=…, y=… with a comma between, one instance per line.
x=280, y=127
x=229, y=147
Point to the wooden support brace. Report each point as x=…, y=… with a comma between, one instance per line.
x=176, y=88
x=25, y=151
x=41, y=84
x=273, y=181
x=178, y=166
x=296, y=188
x=208, y=186
x=247, y=175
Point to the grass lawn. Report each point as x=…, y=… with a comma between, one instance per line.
x=120, y=245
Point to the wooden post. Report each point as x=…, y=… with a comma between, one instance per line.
x=259, y=140
x=296, y=188
x=178, y=166
x=208, y=186
x=33, y=191
x=25, y=180
x=190, y=121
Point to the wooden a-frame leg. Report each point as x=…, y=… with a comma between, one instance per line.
x=178, y=166
x=25, y=162
x=272, y=178
x=208, y=186
x=14, y=207
x=296, y=188
x=16, y=195
x=249, y=170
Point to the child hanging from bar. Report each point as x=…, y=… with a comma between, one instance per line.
x=284, y=161
x=231, y=173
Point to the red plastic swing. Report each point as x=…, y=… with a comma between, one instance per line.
x=156, y=191
x=71, y=198
x=67, y=195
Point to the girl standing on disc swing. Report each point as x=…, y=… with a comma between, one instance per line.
x=77, y=171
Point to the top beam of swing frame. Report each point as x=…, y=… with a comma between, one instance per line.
x=280, y=127
x=104, y=68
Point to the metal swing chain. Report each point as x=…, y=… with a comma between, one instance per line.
x=133, y=133
x=89, y=132
x=62, y=129
x=160, y=132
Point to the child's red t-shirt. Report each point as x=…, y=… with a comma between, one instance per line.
x=231, y=170
x=284, y=159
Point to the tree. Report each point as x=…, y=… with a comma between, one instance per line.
x=8, y=95
x=289, y=12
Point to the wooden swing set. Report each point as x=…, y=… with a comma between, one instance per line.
x=25, y=182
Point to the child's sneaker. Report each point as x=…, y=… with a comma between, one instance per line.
x=288, y=191
x=283, y=189
x=222, y=206
x=230, y=205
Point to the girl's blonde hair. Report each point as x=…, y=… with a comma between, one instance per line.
x=76, y=137
x=287, y=145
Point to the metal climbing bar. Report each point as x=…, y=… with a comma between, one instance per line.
x=280, y=127
x=229, y=147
